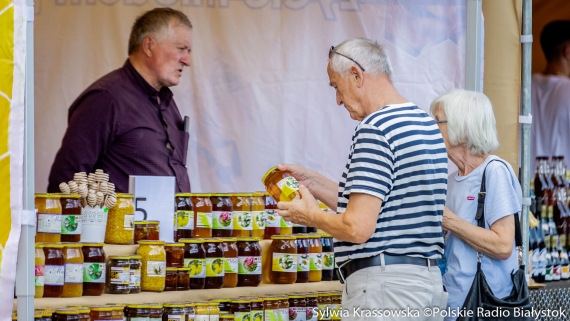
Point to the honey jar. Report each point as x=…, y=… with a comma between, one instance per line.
x=249, y=261
x=70, y=217
x=303, y=258
x=48, y=228
x=230, y=250
x=94, y=269
x=281, y=185
x=272, y=218
x=328, y=257
x=258, y=214
x=282, y=267
x=195, y=259
x=222, y=208
x=214, y=263
x=73, y=281
x=174, y=254
x=184, y=217
x=241, y=215
x=316, y=258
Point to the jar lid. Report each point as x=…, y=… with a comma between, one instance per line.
x=125, y=195
x=314, y=236
x=72, y=195
x=325, y=235
x=271, y=298
x=200, y=194
x=190, y=304
x=336, y=293
x=240, y=194
x=72, y=245
x=47, y=313
x=222, y=194
x=228, y=239
x=201, y=303
x=300, y=236
x=271, y=170
x=37, y=315
x=174, y=305
x=258, y=194
x=311, y=295
x=184, y=269
x=216, y=240
x=182, y=195
x=257, y=300
x=53, y=245
x=213, y=304
x=148, y=242
x=283, y=237
x=171, y=269
x=94, y=244
x=240, y=301
x=118, y=257
x=135, y=257
x=141, y=222
x=153, y=222
x=39, y=245
x=84, y=310
x=297, y=297
x=248, y=239
x=174, y=245
x=47, y=195
x=322, y=293
x=153, y=305
x=137, y=306
x=191, y=241
x=66, y=311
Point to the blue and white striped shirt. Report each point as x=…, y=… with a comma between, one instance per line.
x=399, y=156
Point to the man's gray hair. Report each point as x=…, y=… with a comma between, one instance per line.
x=470, y=120
x=369, y=54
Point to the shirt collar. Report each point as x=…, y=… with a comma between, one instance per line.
x=165, y=93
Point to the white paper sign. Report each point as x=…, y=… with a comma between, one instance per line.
x=155, y=196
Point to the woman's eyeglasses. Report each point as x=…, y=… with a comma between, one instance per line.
x=331, y=51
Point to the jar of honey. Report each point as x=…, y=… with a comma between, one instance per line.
x=183, y=279
x=117, y=312
x=54, y=270
x=136, y=312
x=73, y=280
x=101, y=313
x=190, y=309
x=66, y=315
x=336, y=301
x=174, y=312
x=271, y=308
x=70, y=217
x=48, y=228
x=213, y=311
x=174, y=254
x=141, y=231
x=118, y=275
x=120, y=221
x=324, y=299
x=40, y=262
x=316, y=258
x=223, y=305
x=297, y=308
x=303, y=258
x=214, y=263
x=258, y=214
x=241, y=310
x=230, y=249
x=94, y=269
x=249, y=261
x=202, y=215
x=281, y=185
x=184, y=217
x=195, y=259
x=241, y=215
x=284, y=307
x=282, y=267
x=171, y=283
x=222, y=208
x=153, y=230
x=154, y=312
x=202, y=311
x=153, y=265
x=272, y=218
x=135, y=271
x=84, y=313
x=256, y=309
x=312, y=306
x=328, y=257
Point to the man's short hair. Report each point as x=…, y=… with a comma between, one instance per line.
x=553, y=37
x=368, y=53
x=152, y=23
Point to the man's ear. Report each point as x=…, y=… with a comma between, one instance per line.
x=147, y=45
x=356, y=74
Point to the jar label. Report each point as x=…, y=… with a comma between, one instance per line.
x=285, y=224
x=39, y=275
x=135, y=278
x=324, y=312
x=153, y=268
x=154, y=319
x=49, y=223
x=288, y=185
x=242, y=316
x=258, y=220
x=284, y=262
x=120, y=275
x=298, y=314
x=129, y=222
x=214, y=317
x=312, y=313
x=335, y=312
x=316, y=261
x=185, y=220
x=249, y=265
x=204, y=220
x=256, y=315
x=303, y=263
x=94, y=272
x=71, y=224
x=272, y=219
x=197, y=268
x=214, y=266
x=222, y=220
x=138, y=319
x=231, y=265
x=328, y=260
x=54, y=274
x=284, y=314
x=74, y=273
x=202, y=317
x=272, y=315
x=175, y=317
x=242, y=221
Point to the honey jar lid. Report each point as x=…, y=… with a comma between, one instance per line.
x=174, y=245
x=200, y=194
x=213, y=304
x=314, y=236
x=72, y=245
x=153, y=222
x=283, y=237
x=94, y=244
x=125, y=195
x=141, y=222
x=39, y=245
x=336, y=293
x=84, y=310
x=220, y=300
x=258, y=194
x=311, y=295
x=256, y=300
x=248, y=239
x=72, y=195
x=37, y=315
x=190, y=304
x=325, y=235
x=171, y=269
x=47, y=313
x=271, y=298
x=153, y=305
x=297, y=297
x=135, y=257
x=241, y=194
x=324, y=293
x=271, y=170
x=174, y=305
x=300, y=236
x=182, y=195
x=66, y=311
x=240, y=301
x=213, y=240
x=53, y=245
x=47, y=195
x=228, y=239
x=184, y=269
x=201, y=304
x=137, y=306
x=222, y=194
x=191, y=241
x=118, y=257
x=149, y=242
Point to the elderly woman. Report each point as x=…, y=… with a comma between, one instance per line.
x=467, y=124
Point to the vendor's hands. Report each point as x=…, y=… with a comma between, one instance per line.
x=448, y=215
x=300, y=211
x=301, y=174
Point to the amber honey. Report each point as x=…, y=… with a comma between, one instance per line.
x=202, y=215
x=258, y=214
x=241, y=215
x=281, y=185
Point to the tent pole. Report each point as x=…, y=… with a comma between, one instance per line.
x=474, y=46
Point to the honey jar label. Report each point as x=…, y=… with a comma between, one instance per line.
x=258, y=220
x=328, y=261
x=335, y=312
x=94, y=272
x=71, y=224
x=288, y=185
x=316, y=263
x=202, y=317
x=272, y=315
x=284, y=262
x=231, y=265
x=285, y=224
x=135, y=278
x=242, y=221
x=129, y=222
x=39, y=275
x=324, y=312
x=204, y=219
x=153, y=268
x=214, y=266
x=222, y=220
x=74, y=273
x=242, y=316
x=272, y=219
x=312, y=313
x=297, y=314
x=54, y=274
x=120, y=275
x=249, y=265
x=197, y=268
x=214, y=317
x=176, y=317
x=303, y=263
x=256, y=315
x=49, y=223
x=185, y=220
x=284, y=314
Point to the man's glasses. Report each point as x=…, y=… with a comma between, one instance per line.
x=331, y=51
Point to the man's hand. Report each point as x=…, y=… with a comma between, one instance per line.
x=301, y=174
x=300, y=211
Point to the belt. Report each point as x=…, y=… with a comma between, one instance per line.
x=346, y=269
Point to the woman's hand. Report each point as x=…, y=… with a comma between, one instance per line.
x=300, y=211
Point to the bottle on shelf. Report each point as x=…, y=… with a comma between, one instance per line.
x=548, y=272
x=555, y=257
x=541, y=273
x=564, y=262
x=533, y=253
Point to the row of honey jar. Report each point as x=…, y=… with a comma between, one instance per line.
x=282, y=307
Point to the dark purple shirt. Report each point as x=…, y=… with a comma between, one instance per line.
x=122, y=125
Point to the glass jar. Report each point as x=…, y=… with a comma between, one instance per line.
x=224, y=305
x=316, y=258
x=47, y=315
x=271, y=308
x=303, y=258
x=119, y=275
x=297, y=308
x=40, y=262
x=94, y=269
x=135, y=271
x=202, y=311
x=214, y=263
x=153, y=230
x=117, y=312
x=173, y=312
x=202, y=215
x=84, y=313
x=241, y=309
x=174, y=254
x=155, y=312
x=230, y=250
x=324, y=299
x=213, y=311
x=120, y=221
x=66, y=315
x=222, y=208
x=70, y=217
x=101, y=313
x=336, y=301
x=312, y=306
x=141, y=231
x=249, y=261
x=298, y=228
x=195, y=259
x=258, y=214
x=282, y=260
x=183, y=279
x=257, y=309
x=73, y=280
x=54, y=270
x=38, y=315
x=171, y=283
x=190, y=311
x=272, y=218
x=184, y=219
x=48, y=227
x=241, y=215
x=137, y=312
x=286, y=226
x=328, y=257
x=281, y=185
x=153, y=265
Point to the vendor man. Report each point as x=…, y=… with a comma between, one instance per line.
x=127, y=122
